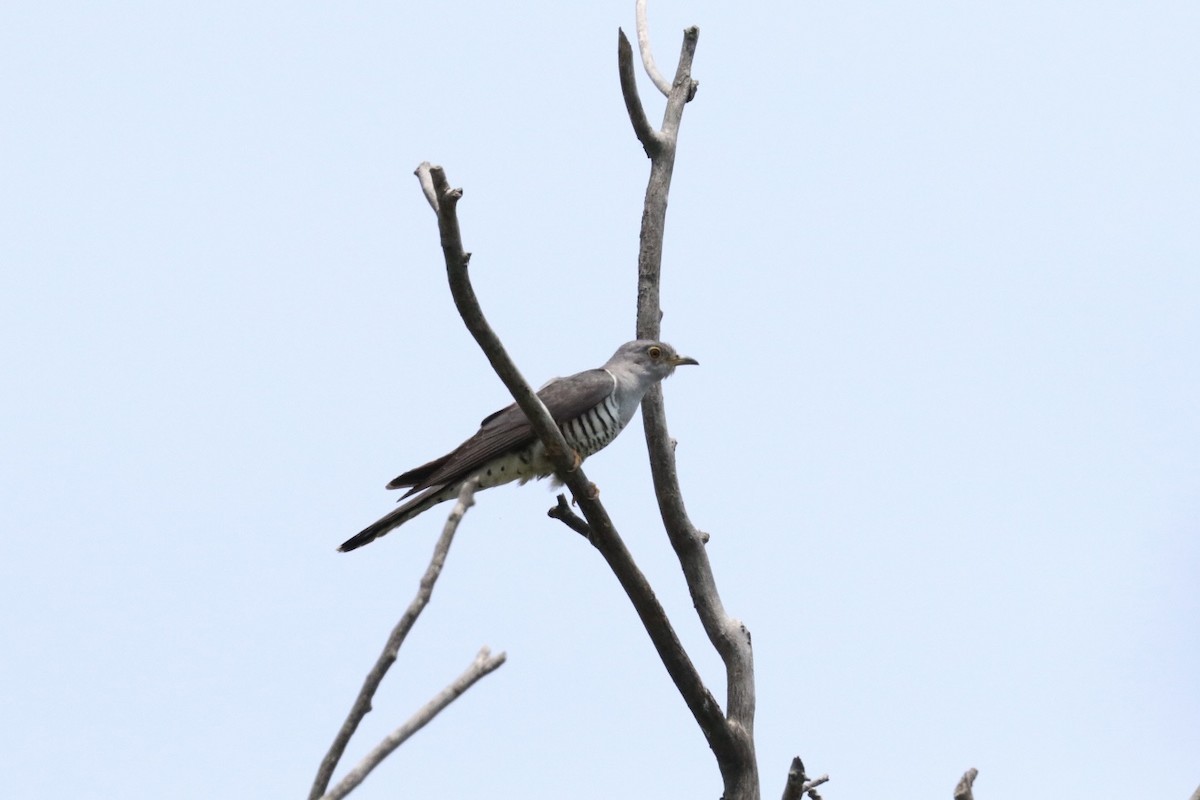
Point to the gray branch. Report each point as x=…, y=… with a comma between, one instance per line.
x=738, y=764
x=563, y=513
x=798, y=783
x=963, y=790
x=362, y=703
x=646, y=134
x=483, y=664
x=603, y=535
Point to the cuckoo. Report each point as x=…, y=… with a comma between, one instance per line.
x=590, y=407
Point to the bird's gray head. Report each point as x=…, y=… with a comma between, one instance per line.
x=646, y=360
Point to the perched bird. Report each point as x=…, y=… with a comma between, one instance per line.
x=590, y=407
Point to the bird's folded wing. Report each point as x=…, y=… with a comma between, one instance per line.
x=508, y=429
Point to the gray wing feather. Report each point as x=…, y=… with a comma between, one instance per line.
x=508, y=429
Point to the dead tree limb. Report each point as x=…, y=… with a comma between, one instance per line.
x=603, y=534
x=731, y=639
x=963, y=791
x=643, y=37
x=362, y=703
x=483, y=664
x=798, y=783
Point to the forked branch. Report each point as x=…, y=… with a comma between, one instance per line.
x=362, y=703
x=739, y=768
x=483, y=664
x=602, y=533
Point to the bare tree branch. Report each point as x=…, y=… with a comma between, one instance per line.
x=604, y=536
x=563, y=512
x=963, y=790
x=739, y=767
x=654, y=215
x=483, y=664
x=646, y=134
x=643, y=35
x=426, y=179
x=798, y=783
x=810, y=787
x=793, y=788
x=362, y=703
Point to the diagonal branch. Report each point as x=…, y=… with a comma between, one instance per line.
x=650, y=138
x=483, y=664
x=604, y=536
x=963, y=791
x=362, y=703
x=564, y=514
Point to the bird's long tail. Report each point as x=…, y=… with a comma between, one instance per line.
x=400, y=515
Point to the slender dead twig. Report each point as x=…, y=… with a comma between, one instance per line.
x=362, y=703
x=643, y=36
x=810, y=787
x=483, y=664
x=564, y=514
x=604, y=536
x=963, y=790
x=646, y=134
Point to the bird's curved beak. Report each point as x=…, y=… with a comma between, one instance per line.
x=679, y=361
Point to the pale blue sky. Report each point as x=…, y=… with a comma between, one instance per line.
x=940, y=263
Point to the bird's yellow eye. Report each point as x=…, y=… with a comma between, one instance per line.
x=655, y=352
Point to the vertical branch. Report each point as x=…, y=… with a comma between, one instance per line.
x=729, y=637
x=654, y=210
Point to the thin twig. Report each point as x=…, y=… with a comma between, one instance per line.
x=646, y=134
x=362, y=703
x=563, y=512
x=605, y=538
x=810, y=787
x=423, y=175
x=483, y=664
x=643, y=35
x=963, y=790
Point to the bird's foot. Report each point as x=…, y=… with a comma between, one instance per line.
x=576, y=459
x=593, y=493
